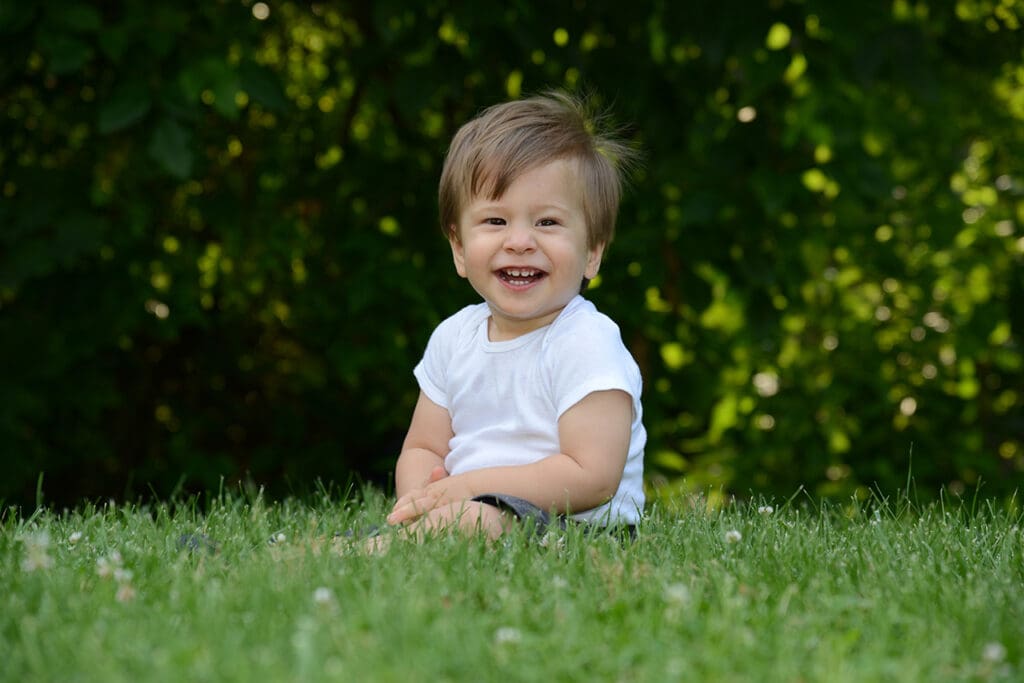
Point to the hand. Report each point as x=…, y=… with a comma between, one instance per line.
x=442, y=489
x=436, y=474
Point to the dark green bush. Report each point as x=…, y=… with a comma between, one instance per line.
x=219, y=254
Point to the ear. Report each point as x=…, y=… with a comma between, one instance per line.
x=594, y=261
x=458, y=251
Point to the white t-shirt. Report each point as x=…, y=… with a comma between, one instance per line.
x=505, y=398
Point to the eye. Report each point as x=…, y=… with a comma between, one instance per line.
x=547, y=222
x=493, y=220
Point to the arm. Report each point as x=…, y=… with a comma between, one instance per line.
x=425, y=446
x=594, y=439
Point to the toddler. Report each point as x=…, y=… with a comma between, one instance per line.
x=529, y=402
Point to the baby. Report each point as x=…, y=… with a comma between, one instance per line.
x=529, y=402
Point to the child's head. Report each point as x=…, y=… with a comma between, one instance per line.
x=506, y=140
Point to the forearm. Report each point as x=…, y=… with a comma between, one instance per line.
x=557, y=483
x=413, y=469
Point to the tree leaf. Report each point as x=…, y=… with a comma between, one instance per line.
x=171, y=147
x=263, y=86
x=66, y=54
x=126, y=106
x=77, y=17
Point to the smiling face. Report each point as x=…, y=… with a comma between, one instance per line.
x=526, y=252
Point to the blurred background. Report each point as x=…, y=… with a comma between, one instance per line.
x=220, y=259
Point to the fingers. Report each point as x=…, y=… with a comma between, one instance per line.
x=399, y=516
x=408, y=511
x=419, y=502
x=410, y=507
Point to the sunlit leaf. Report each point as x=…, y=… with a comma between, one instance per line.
x=778, y=36
x=796, y=68
x=724, y=416
x=674, y=355
x=814, y=180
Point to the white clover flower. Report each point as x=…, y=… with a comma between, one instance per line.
x=993, y=652
x=32, y=563
x=765, y=510
x=110, y=565
x=733, y=536
x=122, y=575
x=677, y=594
x=323, y=596
x=507, y=634
x=37, y=555
x=75, y=537
x=39, y=539
x=553, y=540
x=280, y=537
x=125, y=593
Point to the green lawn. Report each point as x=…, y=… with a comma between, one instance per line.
x=261, y=592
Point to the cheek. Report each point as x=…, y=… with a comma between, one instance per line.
x=475, y=259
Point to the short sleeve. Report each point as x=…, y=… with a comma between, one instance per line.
x=432, y=371
x=591, y=358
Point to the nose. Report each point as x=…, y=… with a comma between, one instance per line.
x=519, y=238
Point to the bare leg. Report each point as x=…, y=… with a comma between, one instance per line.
x=467, y=517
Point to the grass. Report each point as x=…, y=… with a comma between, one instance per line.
x=250, y=590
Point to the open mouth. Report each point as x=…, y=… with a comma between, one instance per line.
x=520, y=277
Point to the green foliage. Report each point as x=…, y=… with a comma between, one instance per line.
x=219, y=253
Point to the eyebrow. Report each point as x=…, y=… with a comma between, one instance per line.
x=498, y=206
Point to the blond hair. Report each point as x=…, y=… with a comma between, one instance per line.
x=506, y=140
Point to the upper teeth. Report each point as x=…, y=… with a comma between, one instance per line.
x=515, y=272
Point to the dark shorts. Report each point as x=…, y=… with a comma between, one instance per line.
x=538, y=521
